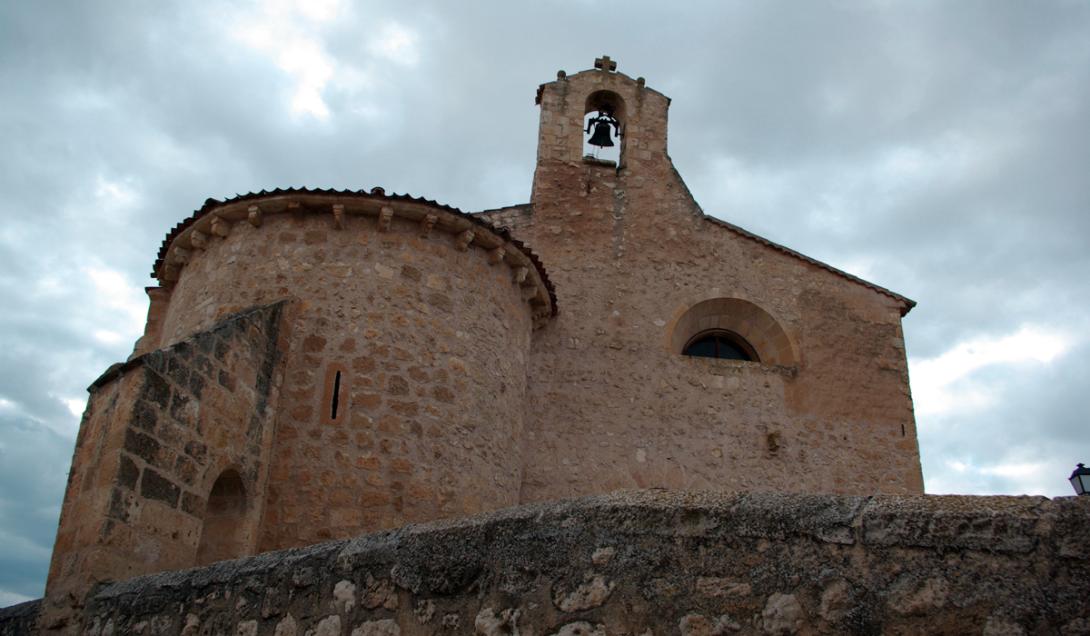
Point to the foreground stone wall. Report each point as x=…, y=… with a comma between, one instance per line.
x=653, y=563
x=19, y=619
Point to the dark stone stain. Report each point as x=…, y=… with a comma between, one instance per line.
x=127, y=473
x=144, y=416
x=119, y=504
x=155, y=486
x=156, y=388
x=197, y=451
x=196, y=385
x=143, y=446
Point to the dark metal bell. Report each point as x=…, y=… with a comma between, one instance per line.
x=601, y=136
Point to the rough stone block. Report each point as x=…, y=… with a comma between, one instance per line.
x=155, y=486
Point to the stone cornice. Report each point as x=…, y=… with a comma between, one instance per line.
x=215, y=219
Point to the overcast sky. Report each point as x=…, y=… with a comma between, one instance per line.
x=941, y=150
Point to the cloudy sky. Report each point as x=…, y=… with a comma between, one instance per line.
x=941, y=150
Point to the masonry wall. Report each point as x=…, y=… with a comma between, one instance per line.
x=17, y=620
x=431, y=344
x=157, y=433
x=659, y=563
x=613, y=404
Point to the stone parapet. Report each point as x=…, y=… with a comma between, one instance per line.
x=19, y=619
x=651, y=562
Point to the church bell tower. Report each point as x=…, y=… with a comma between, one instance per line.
x=621, y=111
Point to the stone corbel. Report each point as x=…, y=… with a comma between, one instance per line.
x=540, y=316
x=338, y=216
x=253, y=215
x=180, y=255
x=220, y=226
x=463, y=240
x=385, y=217
x=170, y=273
x=496, y=256
x=198, y=239
x=427, y=224
x=519, y=274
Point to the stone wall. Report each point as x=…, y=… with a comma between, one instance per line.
x=653, y=563
x=157, y=433
x=613, y=404
x=423, y=345
x=21, y=619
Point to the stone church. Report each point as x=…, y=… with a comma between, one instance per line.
x=319, y=364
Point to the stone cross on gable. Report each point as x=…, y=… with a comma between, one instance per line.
x=605, y=64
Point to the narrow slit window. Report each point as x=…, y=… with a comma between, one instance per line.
x=334, y=401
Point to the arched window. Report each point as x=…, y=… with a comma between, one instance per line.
x=730, y=328
x=224, y=534
x=722, y=344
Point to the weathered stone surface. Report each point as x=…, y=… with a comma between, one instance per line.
x=344, y=596
x=588, y=594
x=328, y=626
x=910, y=596
x=384, y=627
x=155, y=486
x=782, y=614
x=287, y=626
x=19, y=619
x=691, y=563
x=379, y=593
x=603, y=555
x=490, y=622
x=717, y=586
x=835, y=601
x=581, y=628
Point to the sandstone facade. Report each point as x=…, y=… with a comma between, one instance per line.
x=318, y=364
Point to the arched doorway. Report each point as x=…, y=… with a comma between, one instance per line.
x=224, y=534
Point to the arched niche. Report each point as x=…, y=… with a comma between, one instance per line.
x=746, y=320
x=612, y=103
x=224, y=534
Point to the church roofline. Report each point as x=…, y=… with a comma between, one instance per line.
x=906, y=303
x=375, y=194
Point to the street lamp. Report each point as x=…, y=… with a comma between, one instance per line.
x=1080, y=480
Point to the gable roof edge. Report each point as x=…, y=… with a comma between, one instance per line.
x=906, y=303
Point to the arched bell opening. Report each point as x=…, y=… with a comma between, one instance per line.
x=603, y=126
x=224, y=535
